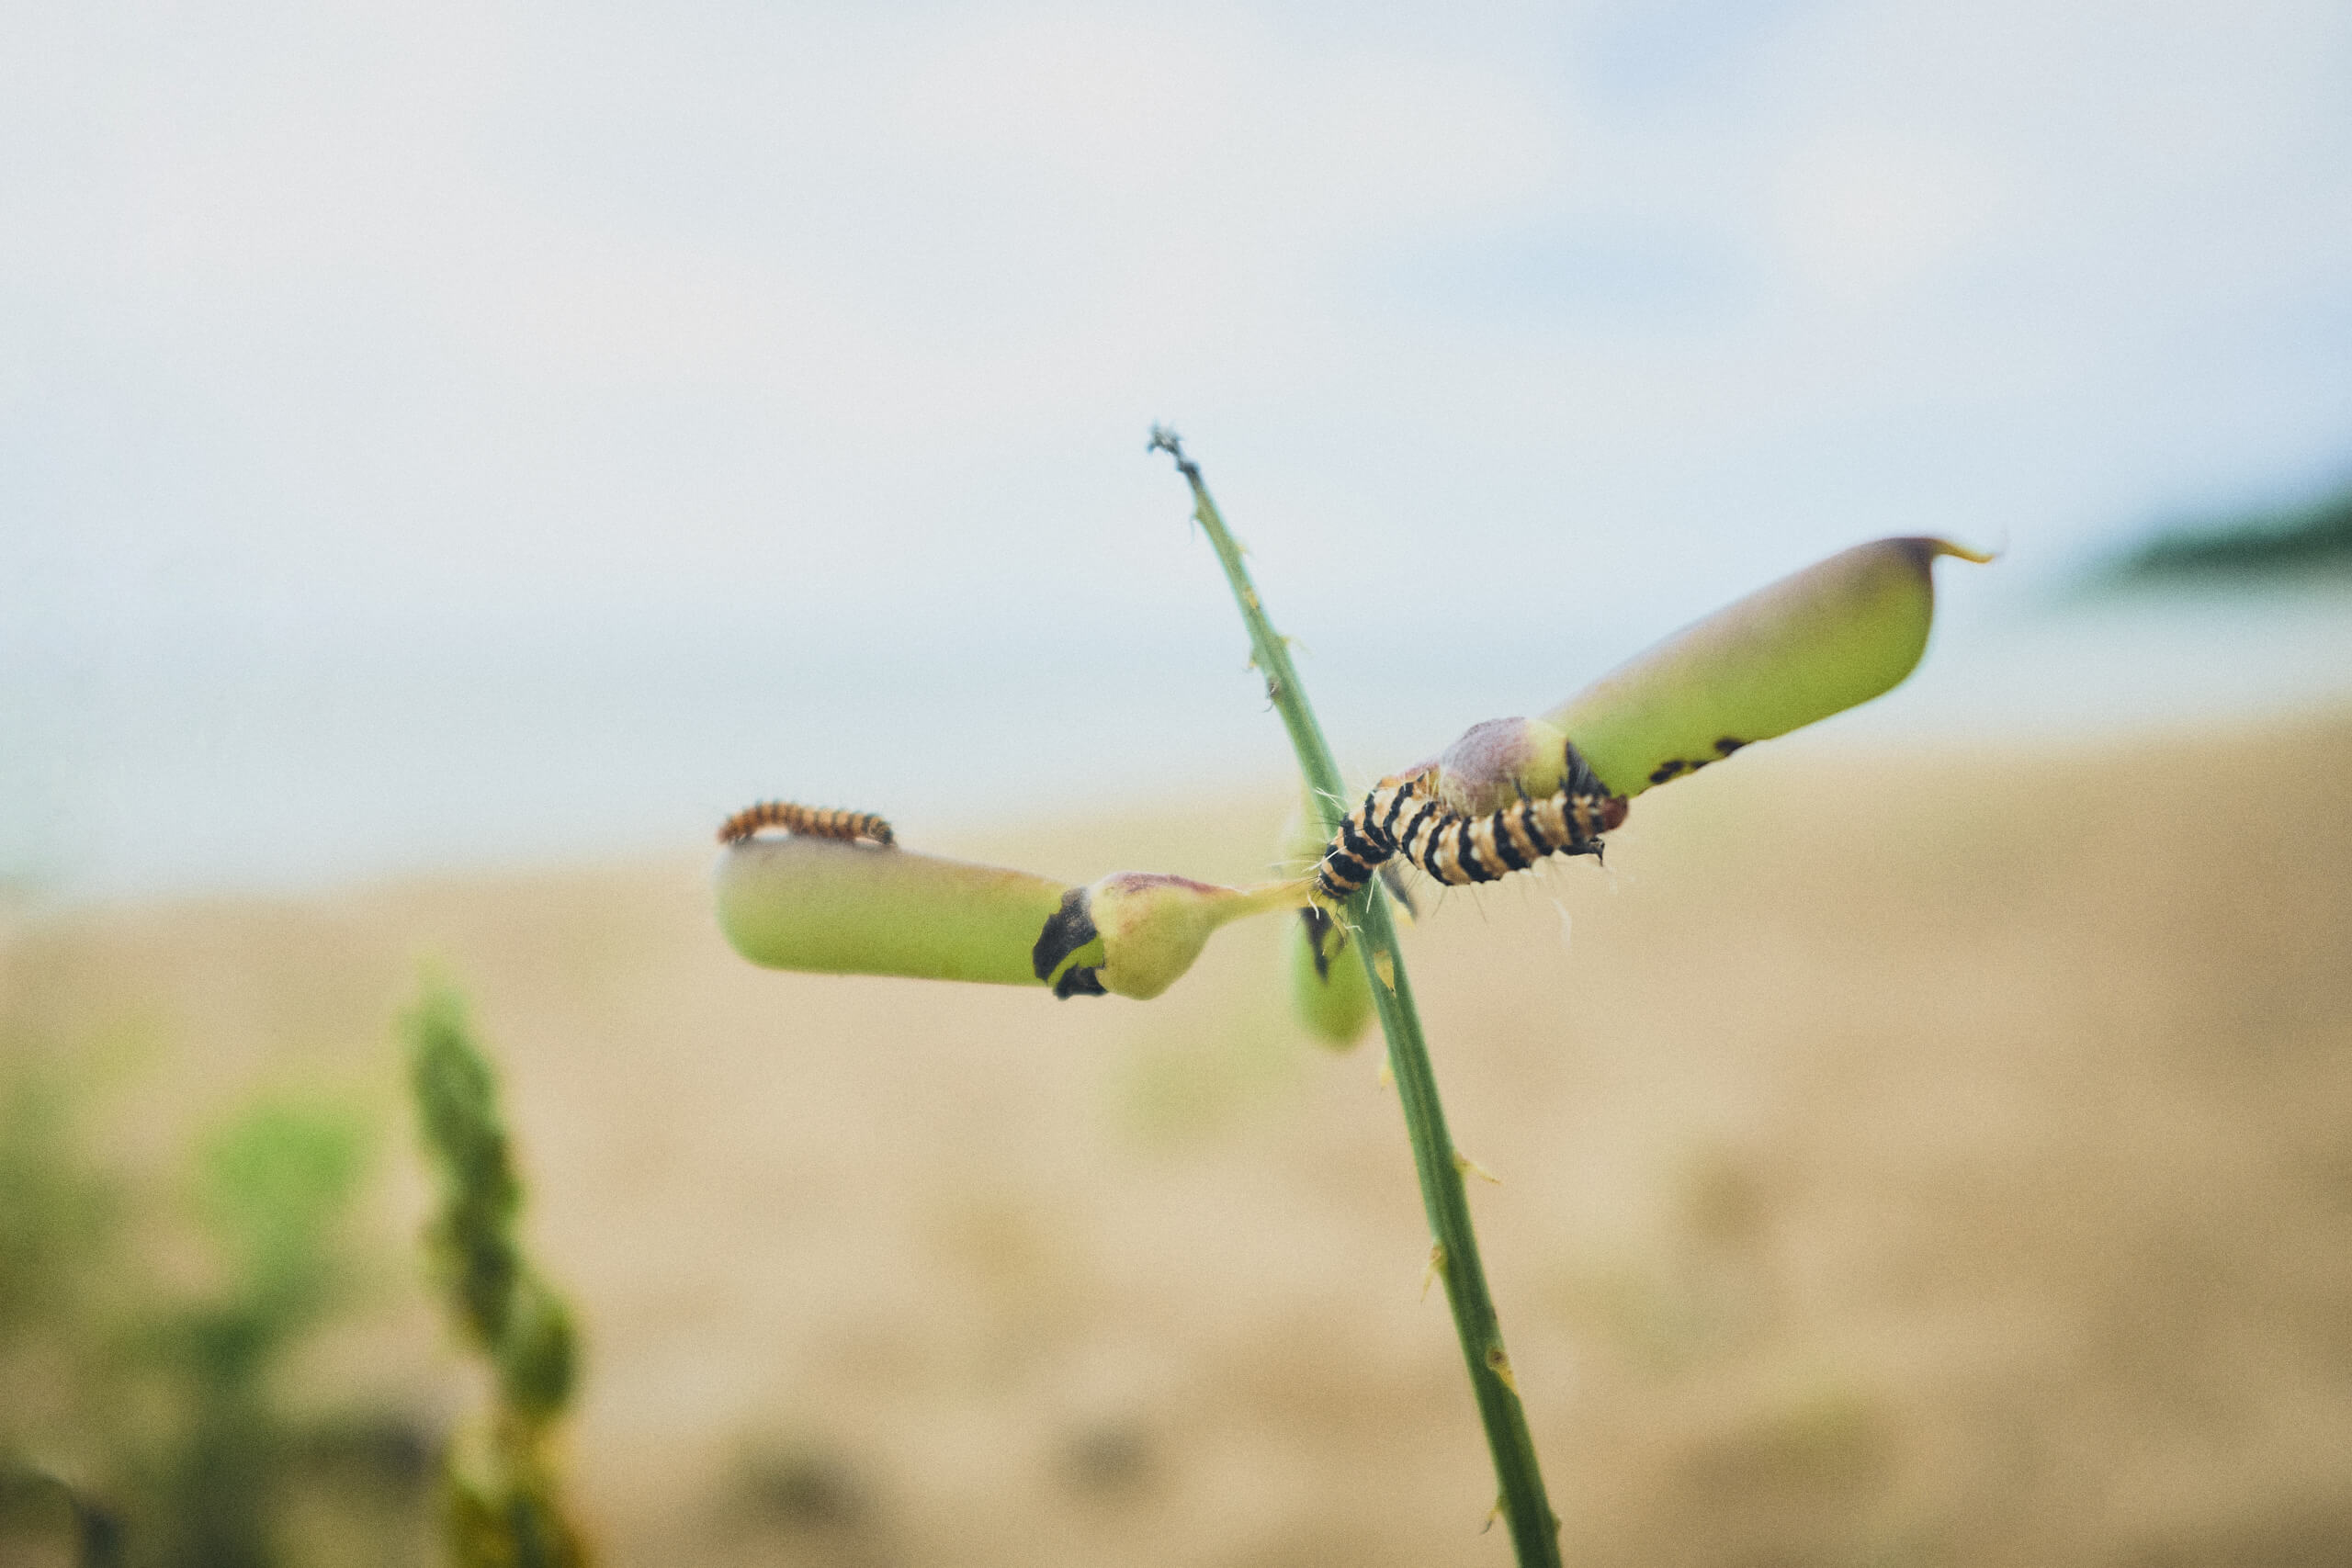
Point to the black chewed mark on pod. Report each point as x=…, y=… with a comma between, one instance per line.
x=1081, y=981
x=1066, y=931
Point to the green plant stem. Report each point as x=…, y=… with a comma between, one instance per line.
x=1534, y=1529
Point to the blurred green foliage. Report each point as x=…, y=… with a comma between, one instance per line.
x=503, y=1507
x=272, y=1187
x=145, y=1424
x=61, y=1227
x=2290, y=542
x=60, y=1217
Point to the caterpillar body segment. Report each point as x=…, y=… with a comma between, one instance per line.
x=809, y=821
x=1406, y=817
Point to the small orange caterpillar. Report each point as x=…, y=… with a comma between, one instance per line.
x=815, y=822
x=1404, y=816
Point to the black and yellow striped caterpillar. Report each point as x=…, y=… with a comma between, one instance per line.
x=1403, y=816
x=815, y=822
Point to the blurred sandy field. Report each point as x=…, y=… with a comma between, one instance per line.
x=1920, y=1158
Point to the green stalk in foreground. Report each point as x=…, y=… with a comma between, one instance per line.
x=1533, y=1528
x=501, y=1503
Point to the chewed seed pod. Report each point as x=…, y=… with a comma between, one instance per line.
x=1512, y=790
x=1817, y=642
x=839, y=905
x=1499, y=764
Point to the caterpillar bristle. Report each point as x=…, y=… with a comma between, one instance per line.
x=809, y=821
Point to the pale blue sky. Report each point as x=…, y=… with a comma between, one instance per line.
x=695, y=325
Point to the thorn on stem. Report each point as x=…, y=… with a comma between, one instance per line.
x=1437, y=1266
x=1464, y=1166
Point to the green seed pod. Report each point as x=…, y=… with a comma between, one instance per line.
x=1326, y=982
x=1152, y=927
x=835, y=906
x=1327, y=986
x=1838, y=632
